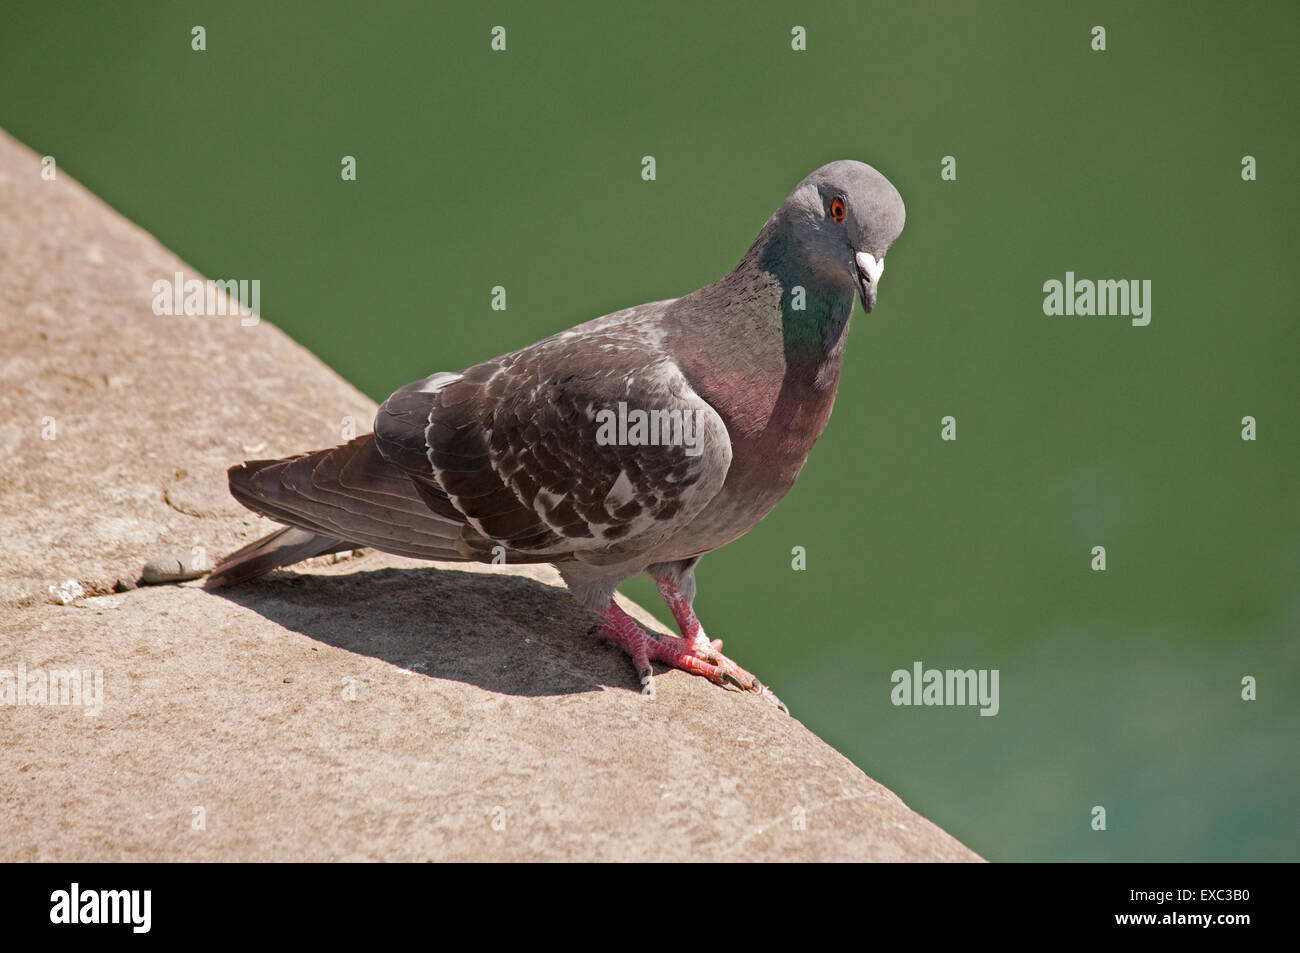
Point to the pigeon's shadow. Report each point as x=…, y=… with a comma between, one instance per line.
x=503, y=633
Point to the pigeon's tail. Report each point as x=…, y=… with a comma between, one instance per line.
x=284, y=547
x=332, y=500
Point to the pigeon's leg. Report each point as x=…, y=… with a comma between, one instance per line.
x=688, y=622
x=643, y=647
x=676, y=582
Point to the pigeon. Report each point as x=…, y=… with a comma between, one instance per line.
x=636, y=442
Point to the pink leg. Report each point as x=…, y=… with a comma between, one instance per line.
x=687, y=621
x=643, y=648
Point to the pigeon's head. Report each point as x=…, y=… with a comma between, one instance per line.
x=843, y=218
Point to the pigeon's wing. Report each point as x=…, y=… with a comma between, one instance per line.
x=590, y=444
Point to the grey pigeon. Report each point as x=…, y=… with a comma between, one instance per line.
x=635, y=442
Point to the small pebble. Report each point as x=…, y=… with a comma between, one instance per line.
x=123, y=585
x=174, y=567
x=68, y=592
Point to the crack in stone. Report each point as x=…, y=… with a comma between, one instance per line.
x=177, y=507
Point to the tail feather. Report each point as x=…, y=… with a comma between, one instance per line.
x=284, y=547
x=345, y=493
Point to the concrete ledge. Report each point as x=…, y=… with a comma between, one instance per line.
x=376, y=708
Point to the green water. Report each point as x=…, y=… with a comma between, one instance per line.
x=474, y=169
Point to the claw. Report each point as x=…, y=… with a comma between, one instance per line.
x=728, y=677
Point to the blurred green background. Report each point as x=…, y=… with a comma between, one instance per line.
x=1118, y=688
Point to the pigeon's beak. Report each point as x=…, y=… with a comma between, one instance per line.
x=870, y=269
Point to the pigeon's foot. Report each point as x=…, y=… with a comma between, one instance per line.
x=696, y=656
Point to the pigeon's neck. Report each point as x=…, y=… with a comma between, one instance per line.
x=814, y=305
x=764, y=347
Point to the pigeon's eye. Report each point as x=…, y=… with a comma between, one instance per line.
x=837, y=209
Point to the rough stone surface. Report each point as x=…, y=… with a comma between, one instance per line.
x=372, y=708
x=141, y=441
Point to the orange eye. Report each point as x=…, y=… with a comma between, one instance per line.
x=837, y=209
